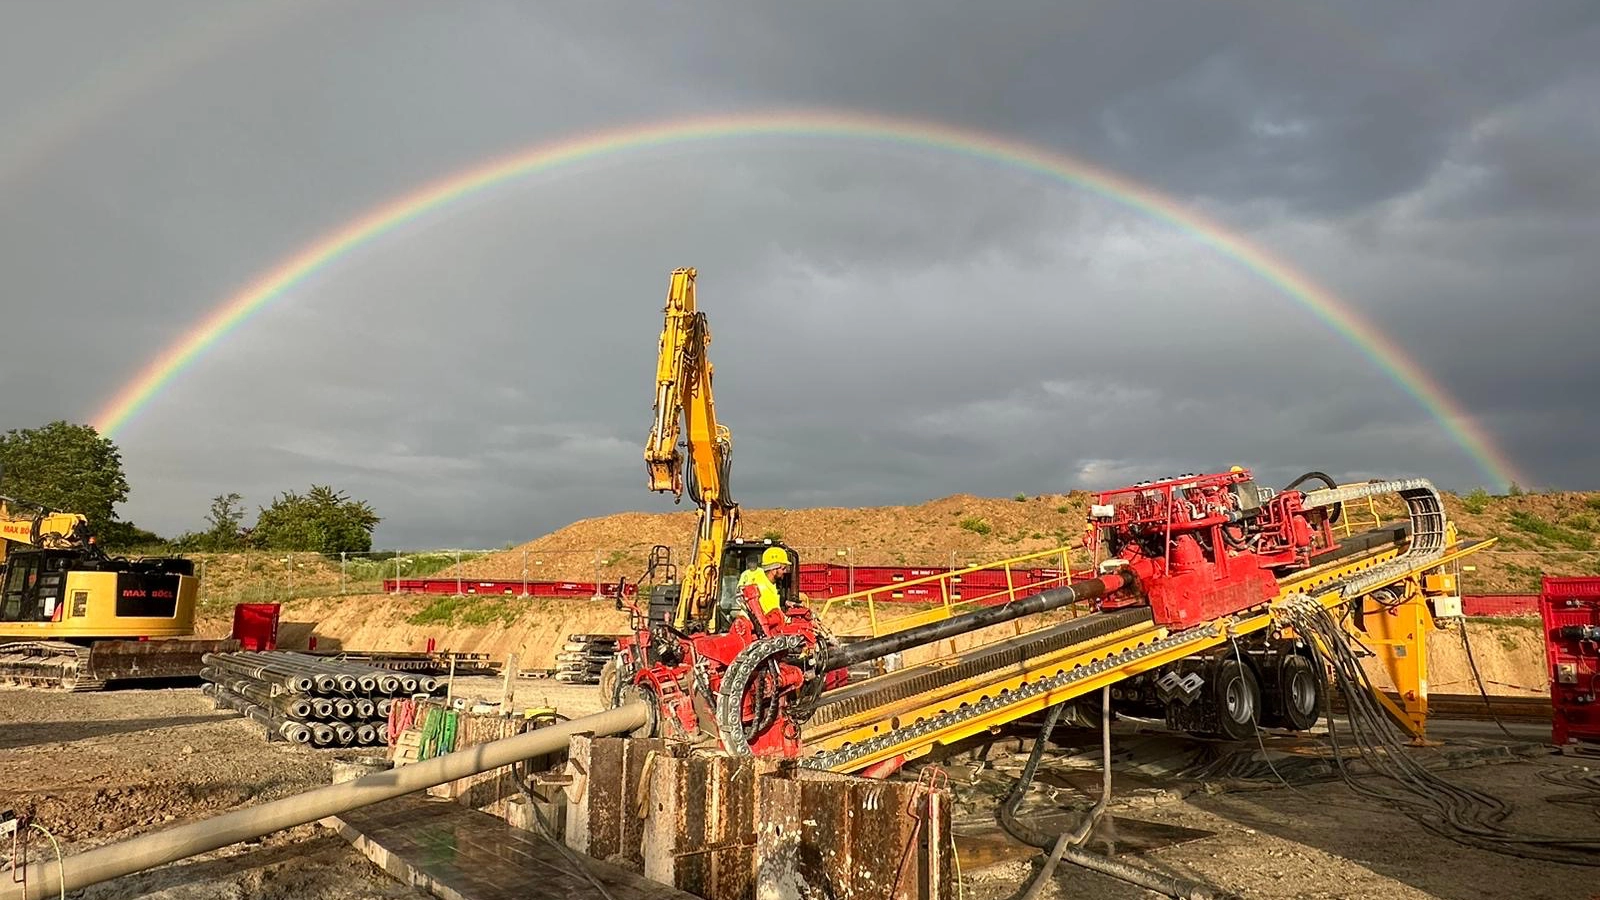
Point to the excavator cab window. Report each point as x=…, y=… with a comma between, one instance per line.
x=32, y=590
x=739, y=556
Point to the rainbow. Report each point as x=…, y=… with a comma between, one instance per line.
x=1320, y=302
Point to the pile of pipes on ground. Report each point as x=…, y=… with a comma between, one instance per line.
x=583, y=656
x=312, y=699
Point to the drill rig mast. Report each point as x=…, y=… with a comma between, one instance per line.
x=684, y=402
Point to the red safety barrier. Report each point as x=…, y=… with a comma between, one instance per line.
x=1570, y=610
x=255, y=625
x=579, y=589
x=1500, y=604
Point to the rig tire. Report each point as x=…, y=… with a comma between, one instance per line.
x=1235, y=696
x=1297, y=696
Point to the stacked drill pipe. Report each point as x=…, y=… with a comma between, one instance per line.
x=311, y=699
x=583, y=656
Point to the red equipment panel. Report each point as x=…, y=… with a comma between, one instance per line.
x=255, y=625
x=1570, y=608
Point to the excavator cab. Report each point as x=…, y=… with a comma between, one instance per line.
x=739, y=555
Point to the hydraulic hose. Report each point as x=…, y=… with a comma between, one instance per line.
x=1060, y=848
x=1335, y=511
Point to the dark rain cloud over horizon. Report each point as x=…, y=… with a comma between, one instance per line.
x=890, y=323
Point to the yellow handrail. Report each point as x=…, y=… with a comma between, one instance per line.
x=952, y=598
x=1345, y=515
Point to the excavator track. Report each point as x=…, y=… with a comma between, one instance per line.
x=938, y=698
x=64, y=666
x=47, y=664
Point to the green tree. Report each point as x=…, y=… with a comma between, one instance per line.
x=67, y=467
x=322, y=520
x=225, y=520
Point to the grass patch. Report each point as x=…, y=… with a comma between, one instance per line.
x=1593, y=503
x=773, y=535
x=467, y=610
x=1476, y=502
x=1064, y=509
x=976, y=525
x=1581, y=523
x=409, y=565
x=1549, y=532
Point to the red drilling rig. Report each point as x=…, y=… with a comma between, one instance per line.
x=718, y=668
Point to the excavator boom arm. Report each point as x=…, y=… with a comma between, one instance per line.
x=43, y=528
x=683, y=395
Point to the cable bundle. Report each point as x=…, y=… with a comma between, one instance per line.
x=1464, y=815
x=311, y=699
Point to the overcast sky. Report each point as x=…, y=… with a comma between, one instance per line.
x=890, y=324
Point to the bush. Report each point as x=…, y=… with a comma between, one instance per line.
x=976, y=525
x=1476, y=502
x=773, y=535
x=1064, y=509
x=1021, y=498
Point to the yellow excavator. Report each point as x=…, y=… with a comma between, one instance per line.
x=74, y=618
x=704, y=598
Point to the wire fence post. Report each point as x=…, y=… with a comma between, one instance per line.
x=524, y=574
x=396, y=573
x=202, y=591
x=458, y=573
x=341, y=573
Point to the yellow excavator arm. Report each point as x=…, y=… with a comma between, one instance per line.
x=47, y=529
x=684, y=405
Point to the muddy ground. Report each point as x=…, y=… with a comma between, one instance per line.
x=100, y=767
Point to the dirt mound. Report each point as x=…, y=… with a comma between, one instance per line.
x=962, y=528
x=1550, y=533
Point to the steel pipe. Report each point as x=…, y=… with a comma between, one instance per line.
x=852, y=654
x=293, y=682
x=370, y=679
x=155, y=848
x=321, y=733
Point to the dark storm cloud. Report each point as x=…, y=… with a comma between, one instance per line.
x=889, y=324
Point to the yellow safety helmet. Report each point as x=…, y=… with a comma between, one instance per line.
x=774, y=556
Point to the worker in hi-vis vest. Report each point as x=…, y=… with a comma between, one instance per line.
x=758, y=589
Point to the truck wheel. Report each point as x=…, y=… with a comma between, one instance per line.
x=1301, y=685
x=1236, y=696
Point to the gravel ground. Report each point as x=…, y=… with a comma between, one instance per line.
x=1316, y=840
x=105, y=766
